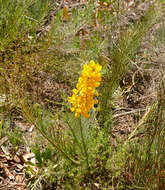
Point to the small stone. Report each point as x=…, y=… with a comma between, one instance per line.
x=17, y=159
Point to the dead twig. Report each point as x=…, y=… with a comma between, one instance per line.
x=129, y=112
x=3, y=140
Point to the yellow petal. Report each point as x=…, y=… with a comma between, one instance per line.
x=86, y=115
x=72, y=109
x=92, y=63
x=96, y=93
x=77, y=115
x=75, y=91
x=96, y=102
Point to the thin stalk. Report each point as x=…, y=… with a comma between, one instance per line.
x=83, y=142
x=75, y=137
x=47, y=138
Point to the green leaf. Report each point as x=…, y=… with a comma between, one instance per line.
x=38, y=156
x=47, y=154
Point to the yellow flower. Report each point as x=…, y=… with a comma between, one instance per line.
x=83, y=98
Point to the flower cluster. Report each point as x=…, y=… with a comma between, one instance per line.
x=83, y=98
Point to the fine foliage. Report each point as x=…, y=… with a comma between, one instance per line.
x=53, y=56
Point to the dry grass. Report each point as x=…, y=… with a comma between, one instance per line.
x=41, y=56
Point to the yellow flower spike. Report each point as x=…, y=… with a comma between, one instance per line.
x=82, y=99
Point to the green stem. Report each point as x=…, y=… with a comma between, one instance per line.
x=75, y=137
x=83, y=141
x=47, y=138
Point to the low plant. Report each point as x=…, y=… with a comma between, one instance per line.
x=75, y=150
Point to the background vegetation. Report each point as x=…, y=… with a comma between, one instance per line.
x=43, y=46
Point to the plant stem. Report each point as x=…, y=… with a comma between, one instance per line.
x=75, y=137
x=83, y=142
x=27, y=115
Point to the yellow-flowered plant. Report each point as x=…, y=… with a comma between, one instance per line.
x=84, y=95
